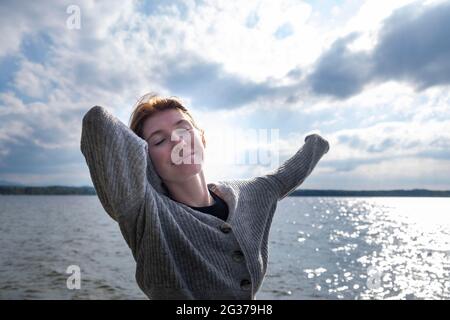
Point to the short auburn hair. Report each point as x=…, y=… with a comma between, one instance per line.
x=151, y=103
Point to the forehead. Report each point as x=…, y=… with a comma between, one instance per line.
x=162, y=120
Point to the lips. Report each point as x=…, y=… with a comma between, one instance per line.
x=192, y=153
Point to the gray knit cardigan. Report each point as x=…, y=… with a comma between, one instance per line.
x=182, y=253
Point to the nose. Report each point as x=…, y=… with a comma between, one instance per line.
x=177, y=138
x=179, y=149
x=179, y=142
x=184, y=135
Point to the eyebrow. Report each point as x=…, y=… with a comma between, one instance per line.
x=175, y=124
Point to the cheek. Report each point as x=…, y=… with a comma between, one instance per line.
x=159, y=156
x=198, y=143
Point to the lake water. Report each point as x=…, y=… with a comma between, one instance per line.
x=320, y=248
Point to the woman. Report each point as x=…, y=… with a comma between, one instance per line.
x=176, y=148
x=183, y=251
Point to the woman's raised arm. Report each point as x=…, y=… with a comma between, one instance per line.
x=117, y=160
x=296, y=169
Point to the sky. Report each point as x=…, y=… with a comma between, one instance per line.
x=371, y=77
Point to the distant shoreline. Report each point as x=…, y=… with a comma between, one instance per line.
x=371, y=193
x=66, y=190
x=46, y=190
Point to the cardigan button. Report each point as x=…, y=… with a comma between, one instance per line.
x=238, y=256
x=225, y=228
x=246, y=284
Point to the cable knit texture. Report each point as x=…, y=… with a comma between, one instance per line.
x=182, y=253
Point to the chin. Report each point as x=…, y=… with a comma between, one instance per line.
x=184, y=171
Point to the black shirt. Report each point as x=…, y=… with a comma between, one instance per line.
x=218, y=209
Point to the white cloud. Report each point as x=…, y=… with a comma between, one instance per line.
x=406, y=173
x=10, y=133
x=33, y=80
x=405, y=168
x=11, y=104
x=390, y=139
x=368, y=21
x=70, y=176
x=403, y=173
x=218, y=32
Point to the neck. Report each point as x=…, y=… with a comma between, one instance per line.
x=192, y=192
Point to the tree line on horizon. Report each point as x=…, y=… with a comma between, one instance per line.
x=87, y=190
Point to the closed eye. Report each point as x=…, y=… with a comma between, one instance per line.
x=186, y=129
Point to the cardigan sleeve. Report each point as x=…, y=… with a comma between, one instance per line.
x=296, y=169
x=118, y=162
